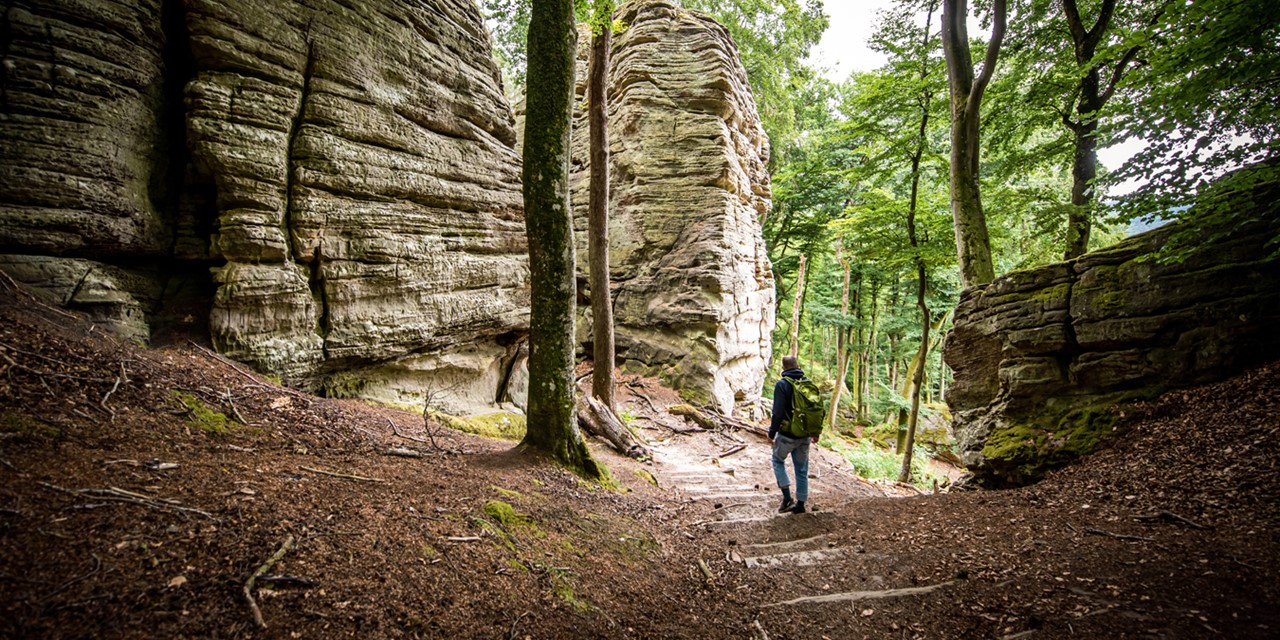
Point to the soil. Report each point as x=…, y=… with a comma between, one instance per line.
x=127, y=512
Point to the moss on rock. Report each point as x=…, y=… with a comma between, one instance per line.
x=203, y=417
x=502, y=425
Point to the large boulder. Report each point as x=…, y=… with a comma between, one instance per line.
x=348, y=171
x=368, y=195
x=692, y=284
x=1043, y=357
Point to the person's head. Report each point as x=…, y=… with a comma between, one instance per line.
x=790, y=362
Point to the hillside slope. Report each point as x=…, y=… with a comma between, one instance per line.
x=1170, y=534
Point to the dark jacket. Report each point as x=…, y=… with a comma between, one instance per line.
x=782, y=391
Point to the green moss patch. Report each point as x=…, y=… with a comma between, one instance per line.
x=505, y=514
x=500, y=425
x=203, y=417
x=1021, y=453
x=26, y=426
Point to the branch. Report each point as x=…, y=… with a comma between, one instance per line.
x=1118, y=73
x=340, y=475
x=1000, y=22
x=266, y=566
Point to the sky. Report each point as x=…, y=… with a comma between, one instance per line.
x=843, y=50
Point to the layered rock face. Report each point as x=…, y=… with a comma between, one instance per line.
x=1042, y=357
x=348, y=169
x=692, y=285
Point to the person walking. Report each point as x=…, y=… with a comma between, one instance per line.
x=785, y=445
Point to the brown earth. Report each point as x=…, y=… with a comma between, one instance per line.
x=1169, y=534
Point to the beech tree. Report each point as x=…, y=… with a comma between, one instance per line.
x=598, y=208
x=552, y=426
x=973, y=243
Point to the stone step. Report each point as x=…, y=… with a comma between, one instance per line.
x=786, y=545
x=796, y=558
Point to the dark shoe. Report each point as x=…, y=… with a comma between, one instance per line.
x=798, y=508
x=787, y=505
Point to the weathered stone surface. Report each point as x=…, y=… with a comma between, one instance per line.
x=1041, y=357
x=368, y=195
x=692, y=284
x=84, y=162
x=118, y=298
x=348, y=169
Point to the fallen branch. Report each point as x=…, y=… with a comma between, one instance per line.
x=1169, y=515
x=706, y=570
x=120, y=495
x=97, y=564
x=643, y=396
x=1118, y=536
x=335, y=474
x=598, y=419
x=463, y=538
x=115, y=386
x=732, y=451
x=395, y=430
x=234, y=411
x=266, y=566
x=860, y=595
x=404, y=453
x=232, y=363
x=760, y=630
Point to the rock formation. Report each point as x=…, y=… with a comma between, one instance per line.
x=335, y=187
x=347, y=169
x=692, y=284
x=1043, y=357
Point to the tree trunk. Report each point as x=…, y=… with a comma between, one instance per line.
x=842, y=346
x=1089, y=98
x=598, y=221
x=549, y=227
x=794, y=347
x=870, y=361
x=973, y=244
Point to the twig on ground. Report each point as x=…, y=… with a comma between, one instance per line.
x=404, y=453
x=1118, y=536
x=1244, y=564
x=1169, y=515
x=231, y=363
x=396, y=432
x=336, y=474
x=706, y=570
x=463, y=538
x=760, y=630
x=266, y=566
x=234, y=411
x=511, y=634
x=97, y=564
x=120, y=495
x=643, y=396
x=732, y=451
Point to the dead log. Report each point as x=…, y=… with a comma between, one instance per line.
x=600, y=421
x=712, y=420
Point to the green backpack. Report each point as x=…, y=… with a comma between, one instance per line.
x=807, y=409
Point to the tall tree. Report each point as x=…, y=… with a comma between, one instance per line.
x=598, y=208
x=794, y=347
x=1091, y=94
x=842, y=335
x=549, y=227
x=973, y=243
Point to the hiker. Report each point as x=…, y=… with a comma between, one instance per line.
x=785, y=443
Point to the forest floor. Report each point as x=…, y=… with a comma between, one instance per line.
x=127, y=510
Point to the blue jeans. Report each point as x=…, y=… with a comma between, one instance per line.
x=799, y=451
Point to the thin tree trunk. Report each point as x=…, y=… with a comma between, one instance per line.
x=870, y=363
x=1089, y=99
x=598, y=221
x=842, y=355
x=794, y=347
x=973, y=244
x=552, y=426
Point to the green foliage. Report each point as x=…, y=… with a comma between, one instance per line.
x=505, y=514
x=1206, y=101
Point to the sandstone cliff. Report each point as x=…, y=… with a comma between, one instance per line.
x=347, y=169
x=1043, y=357
x=692, y=284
